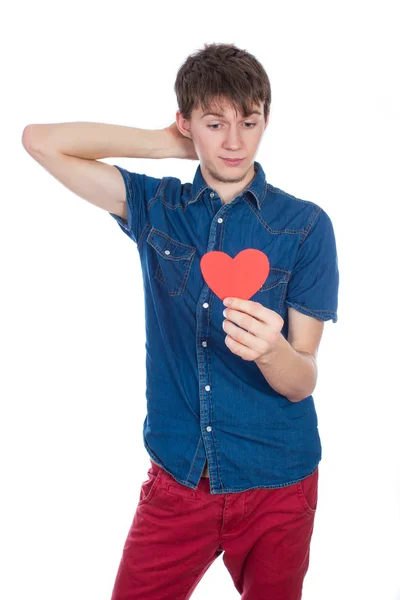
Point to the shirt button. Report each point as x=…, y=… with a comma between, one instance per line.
x=205, y=305
x=209, y=428
x=212, y=195
x=204, y=344
x=167, y=252
x=207, y=388
x=220, y=220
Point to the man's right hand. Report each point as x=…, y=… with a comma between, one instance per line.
x=181, y=146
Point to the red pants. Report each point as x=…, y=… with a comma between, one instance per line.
x=177, y=533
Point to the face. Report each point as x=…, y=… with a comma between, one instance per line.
x=225, y=136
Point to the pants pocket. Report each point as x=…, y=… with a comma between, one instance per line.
x=307, y=492
x=149, y=486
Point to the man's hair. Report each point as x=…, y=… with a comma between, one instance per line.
x=218, y=72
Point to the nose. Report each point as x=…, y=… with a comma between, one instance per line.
x=232, y=140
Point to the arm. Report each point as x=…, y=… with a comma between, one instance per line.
x=97, y=140
x=289, y=366
x=292, y=373
x=69, y=152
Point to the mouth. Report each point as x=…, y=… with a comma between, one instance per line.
x=234, y=162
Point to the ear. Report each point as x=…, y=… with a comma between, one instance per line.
x=266, y=122
x=183, y=125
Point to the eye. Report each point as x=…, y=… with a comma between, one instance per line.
x=213, y=125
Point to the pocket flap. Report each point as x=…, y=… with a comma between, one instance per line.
x=275, y=277
x=167, y=247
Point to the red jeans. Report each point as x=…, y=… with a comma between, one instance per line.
x=178, y=532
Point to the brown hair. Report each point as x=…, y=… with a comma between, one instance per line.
x=222, y=71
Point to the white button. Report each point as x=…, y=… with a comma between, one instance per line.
x=205, y=305
x=209, y=428
x=204, y=344
x=212, y=195
x=207, y=388
x=220, y=220
x=167, y=252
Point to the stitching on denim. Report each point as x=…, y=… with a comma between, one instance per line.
x=143, y=233
x=194, y=199
x=227, y=490
x=148, y=205
x=268, y=487
x=159, y=275
x=209, y=396
x=194, y=460
x=275, y=271
x=264, y=195
x=172, y=241
x=189, y=266
x=267, y=188
x=313, y=218
x=159, y=192
x=282, y=297
x=157, y=460
x=264, y=223
x=312, y=312
x=201, y=369
x=171, y=206
x=185, y=277
x=206, y=367
x=226, y=214
x=275, y=190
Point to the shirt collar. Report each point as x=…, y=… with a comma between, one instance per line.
x=256, y=189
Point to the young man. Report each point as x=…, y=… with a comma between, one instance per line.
x=231, y=427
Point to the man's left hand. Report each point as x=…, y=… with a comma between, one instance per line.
x=263, y=325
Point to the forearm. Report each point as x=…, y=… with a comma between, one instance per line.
x=290, y=372
x=99, y=140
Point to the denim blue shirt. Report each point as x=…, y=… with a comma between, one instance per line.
x=203, y=401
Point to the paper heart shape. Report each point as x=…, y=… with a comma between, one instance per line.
x=238, y=277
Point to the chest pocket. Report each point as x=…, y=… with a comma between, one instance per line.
x=273, y=292
x=173, y=261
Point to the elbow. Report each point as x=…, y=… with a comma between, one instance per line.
x=26, y=136
x=297, y=399
x=31, y=137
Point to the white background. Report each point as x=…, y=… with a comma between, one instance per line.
x=72, y=313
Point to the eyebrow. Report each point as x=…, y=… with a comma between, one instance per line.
x=216, y=114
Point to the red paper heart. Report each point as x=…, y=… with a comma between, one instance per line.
x=238, y=277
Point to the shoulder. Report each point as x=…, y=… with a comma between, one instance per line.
x=290, y=212
x=290, y=200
